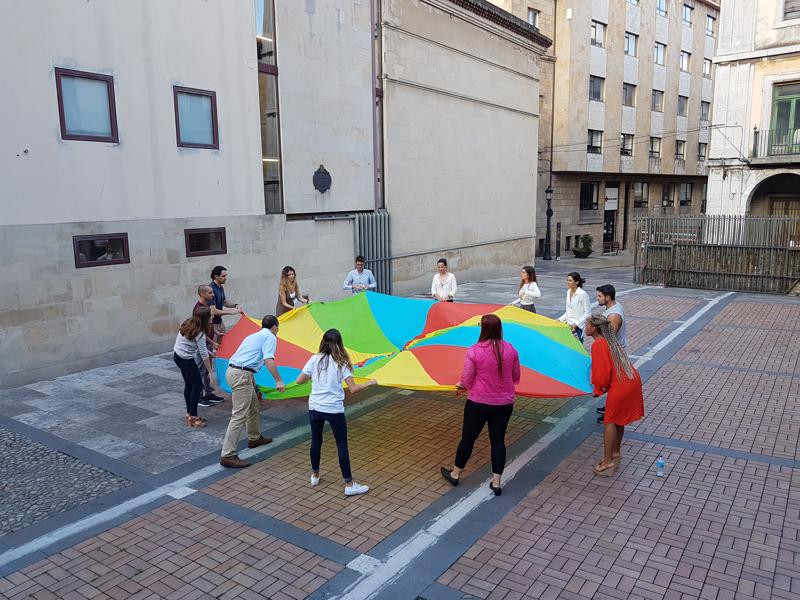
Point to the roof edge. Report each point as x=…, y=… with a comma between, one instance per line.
x=498, y=16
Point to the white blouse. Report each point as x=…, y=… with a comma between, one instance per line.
x=577, y=309
x=444, y=290
x=527, y=293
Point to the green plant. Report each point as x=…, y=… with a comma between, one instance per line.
x=586, y=242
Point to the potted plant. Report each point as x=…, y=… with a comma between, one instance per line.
x=585, y=247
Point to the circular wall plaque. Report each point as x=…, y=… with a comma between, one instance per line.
x=322, y=180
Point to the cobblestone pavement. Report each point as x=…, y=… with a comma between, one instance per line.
x=37, y=482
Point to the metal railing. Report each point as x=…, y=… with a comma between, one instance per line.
x=775, y=142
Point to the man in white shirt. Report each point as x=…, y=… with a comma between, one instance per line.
x=444, y=286
x=256, y=349
x=360, y=279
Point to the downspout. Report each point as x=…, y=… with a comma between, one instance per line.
x=553, y=93
x=375, y=11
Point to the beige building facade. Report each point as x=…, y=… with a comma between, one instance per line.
x=250, y=135
x=631, y=126
x=755, y=146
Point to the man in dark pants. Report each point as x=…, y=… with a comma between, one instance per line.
x=205, y=299
x=222, y=306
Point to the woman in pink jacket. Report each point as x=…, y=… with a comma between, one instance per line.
x=491, y=370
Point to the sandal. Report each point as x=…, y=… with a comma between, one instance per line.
x=606, y=471
x=196, y=422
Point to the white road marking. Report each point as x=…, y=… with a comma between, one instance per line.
x=182, y=492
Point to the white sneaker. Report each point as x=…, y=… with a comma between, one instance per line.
x=314, y=481
x=355, y=489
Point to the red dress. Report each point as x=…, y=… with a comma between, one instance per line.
x=624, y=403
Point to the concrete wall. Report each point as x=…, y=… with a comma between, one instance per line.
x=461, y=158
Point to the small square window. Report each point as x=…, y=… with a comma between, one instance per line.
x=205, y=242
x=687, y=15
x=660, y=53
x=86, y=108
x=594, y=145
x=711, y=25
x=100, y=249
x=628, y=94
x=533, y=17
x=683, y=106
x=685, y=57
x=598, y=34
x=196, y=118
x=658, y=101
x=626, y=148
x=707, y=68
x=596, y=88
x=661, y=7
x=631, y=44
x=680, y=149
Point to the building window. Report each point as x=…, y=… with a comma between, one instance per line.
x=703, y=196
x=86, y=108
x=685, y=56
x=533, y=17
x=658, y=101
x=685, y=194
x=680, y=149
x=631, y=44
x=596, y=85
x=683, y=106
x=594, y=145
x=567, y=242
x=667, y=195
x=195, y=118
x=269, y=106
x=641, y=195
x=791, y=9
x=659, y=53
x=711, y=25
x=588, y=198
x=626, y=147
x=598, y=33
x=100, y=249
x=205, y=242
x=687, y=15
x=705, y=109
x=628, y=94
x=707, y=68
x=634, y=2
x=702, y=149
x=661, y=7
x=655, y=147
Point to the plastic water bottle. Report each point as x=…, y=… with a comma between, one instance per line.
x=660, y=467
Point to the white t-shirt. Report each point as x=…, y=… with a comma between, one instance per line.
x=327, y=393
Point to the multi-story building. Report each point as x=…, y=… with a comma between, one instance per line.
x=152, y=140
x=755, y=145
x=632, y=88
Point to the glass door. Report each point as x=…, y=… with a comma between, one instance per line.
x=785, y=127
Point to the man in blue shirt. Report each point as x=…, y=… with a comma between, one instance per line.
x=221, y=305
x=256, y=349
x=360, y=279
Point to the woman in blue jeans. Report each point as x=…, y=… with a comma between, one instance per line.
x=327, y=370
x=191, y=341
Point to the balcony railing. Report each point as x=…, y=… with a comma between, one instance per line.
x=775, y=142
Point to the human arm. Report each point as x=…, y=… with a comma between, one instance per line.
x=433, y=289
x=300, y=298
x=354, y=388
x=453, y=287
x=616, y=321
x=268, y=348
x=282, y=298
x=602, y=367
x=273, y=370
x=467, y=374
x=348, y=282
x=371, y=283
x=530, y=292
x=515, y=369
x=587, y=312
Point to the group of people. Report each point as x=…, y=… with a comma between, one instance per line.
x=490, y=372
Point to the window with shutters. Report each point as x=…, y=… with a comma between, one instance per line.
x=791, y=9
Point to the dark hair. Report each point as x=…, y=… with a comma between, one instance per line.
x=361, y=259
x=492, y=331
x=608, y=290
x=531, y=274
x=442, y=261
x=196, y=324
x=576, y=277
x=332, y=347
x=287, y=269
x=217, y=271
x=269, y=321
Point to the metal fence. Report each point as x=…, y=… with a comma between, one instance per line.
x=719, y=252
x=371, y=233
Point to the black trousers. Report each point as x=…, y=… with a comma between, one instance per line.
x=192, y=383
x=476, y=415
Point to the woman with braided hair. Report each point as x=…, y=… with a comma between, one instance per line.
x=613, y=373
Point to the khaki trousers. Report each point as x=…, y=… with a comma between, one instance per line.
x=244, y=411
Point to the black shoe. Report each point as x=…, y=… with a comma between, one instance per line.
x=497, y=490
x=600, y=410
x=446, y=474
x=213, y=398
x=601, y=419
x=204, y=402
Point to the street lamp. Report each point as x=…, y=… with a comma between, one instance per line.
x=548, y=194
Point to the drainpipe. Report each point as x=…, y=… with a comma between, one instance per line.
x=376, y=85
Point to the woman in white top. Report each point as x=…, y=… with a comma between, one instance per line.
x=528, y=290
x=191, y=340
x=577, y=305
x=327, y=370
x=289, y=294
x=443, y=288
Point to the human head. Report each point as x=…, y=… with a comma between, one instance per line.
x=441, y=265
x=270, y=322
x=196, y=324
x=530, y=272
x=205, y=293
x=219, y=274
x=491, y=328
x=288, y=276
x=598, y=326
x=360, y=262
x=605, y=294
x=577, y=280
x=332, y=346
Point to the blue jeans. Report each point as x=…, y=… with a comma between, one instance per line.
x=316, y=420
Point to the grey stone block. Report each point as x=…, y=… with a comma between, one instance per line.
x=111, y=445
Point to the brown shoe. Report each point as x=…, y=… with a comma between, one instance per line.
x=261, y=441
x=234, y=462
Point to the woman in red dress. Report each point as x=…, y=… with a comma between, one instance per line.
x=612, y=373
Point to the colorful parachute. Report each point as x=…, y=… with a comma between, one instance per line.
x=416, y=344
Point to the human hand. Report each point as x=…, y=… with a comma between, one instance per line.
x=372, y=382
x=240, y=309
x=460, y=389
x=279, y=386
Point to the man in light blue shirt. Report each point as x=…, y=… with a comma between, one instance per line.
x=256, y=349
x=360, y=279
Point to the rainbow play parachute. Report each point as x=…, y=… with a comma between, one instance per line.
x=416, y=344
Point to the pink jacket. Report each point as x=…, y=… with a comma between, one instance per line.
x=484, y=384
